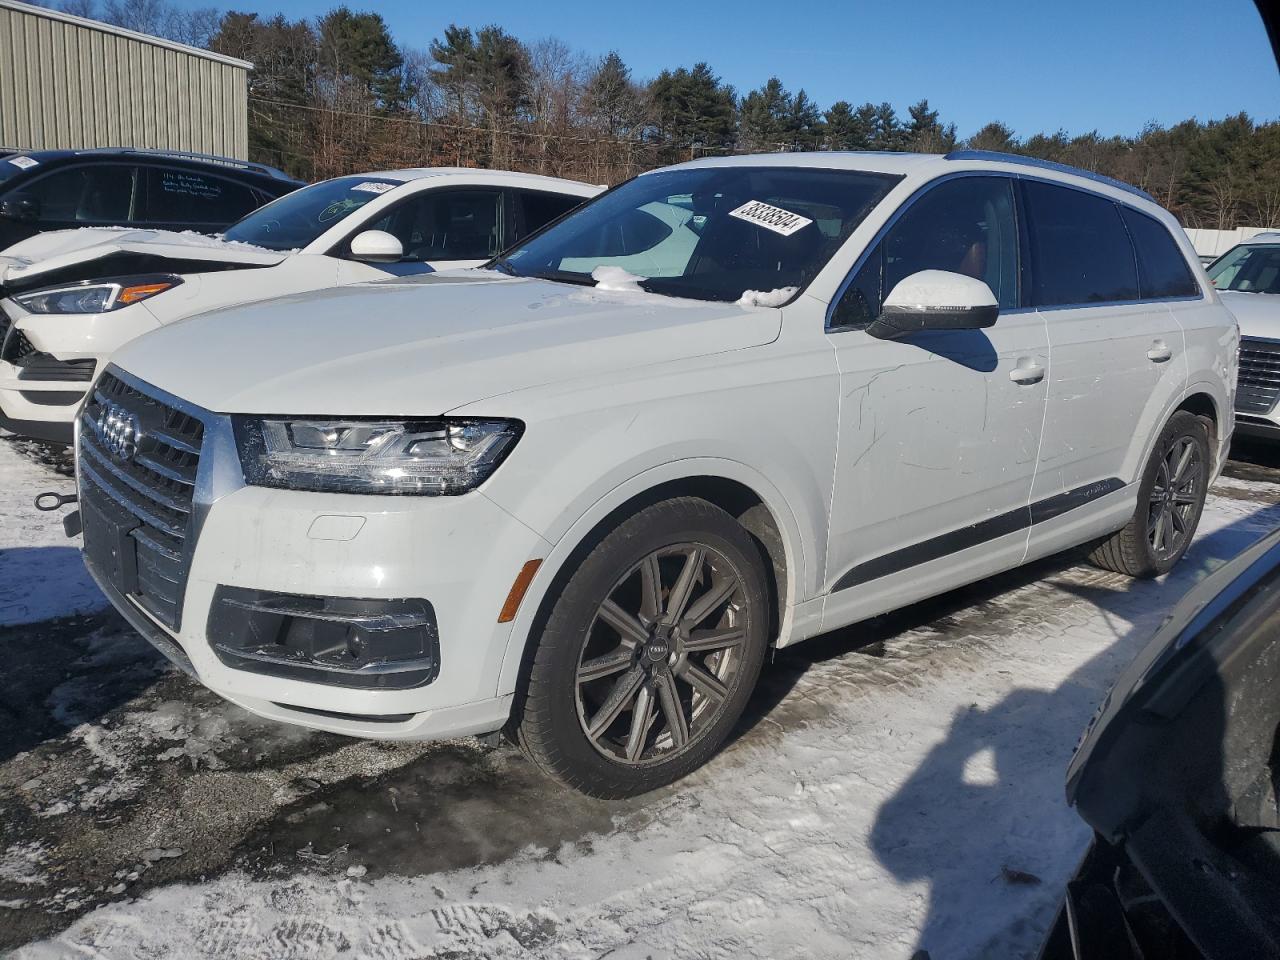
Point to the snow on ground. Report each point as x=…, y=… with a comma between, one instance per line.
x=41, y=576
x=897, y=786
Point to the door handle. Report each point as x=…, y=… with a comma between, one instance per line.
x=1159, y=352
x=1027, y=375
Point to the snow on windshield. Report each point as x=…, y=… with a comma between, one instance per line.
x=616, y=278
x=767, y=298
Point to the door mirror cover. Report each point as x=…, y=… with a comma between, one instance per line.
x=376, y=246
x=935, y=300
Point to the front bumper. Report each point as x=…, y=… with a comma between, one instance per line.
x=47, y=364
x=458, y=556
x=1258, y=426
x=461, y=553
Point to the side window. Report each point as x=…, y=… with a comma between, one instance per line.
x=447, y=224
x=1080, y=250
x=966, y=225
x=97, y=194
x=539, y=209
x=1162, y=270
x=179, y=195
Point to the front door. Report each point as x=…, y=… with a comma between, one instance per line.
x=939, y=433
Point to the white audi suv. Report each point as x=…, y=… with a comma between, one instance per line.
x=728, y=405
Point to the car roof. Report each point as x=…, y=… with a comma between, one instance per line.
x=502, y=177
x=922, y=165
x=257, y=171
x=1269, y=236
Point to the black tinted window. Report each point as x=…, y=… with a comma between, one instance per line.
x=963, y=226
x=179, y=196
x=539, y=209
x=447, y=225
x=98, y=194
x=1080, y=251
x=1162, y=271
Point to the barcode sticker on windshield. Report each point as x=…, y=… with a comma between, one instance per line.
x=374, y=186
x=26, y=163
x=770, y=217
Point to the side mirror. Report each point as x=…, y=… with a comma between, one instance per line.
x=20, y=208
x=935, y=300
x=376, y=246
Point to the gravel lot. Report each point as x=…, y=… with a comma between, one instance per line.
x=895, y=787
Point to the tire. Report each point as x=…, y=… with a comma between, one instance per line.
x=618, y=657
x=1163, y=510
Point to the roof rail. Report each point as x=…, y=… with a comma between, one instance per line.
x=1048, y=165
x=209, y=158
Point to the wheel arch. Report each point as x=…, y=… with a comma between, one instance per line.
x=761, y=509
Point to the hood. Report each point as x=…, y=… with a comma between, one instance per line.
x=93, y=252
x=426, y=346
x=1257, y=313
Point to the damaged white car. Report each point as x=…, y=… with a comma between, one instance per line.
x=727, y=405
x=71, y=297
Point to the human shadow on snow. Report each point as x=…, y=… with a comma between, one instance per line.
x=986, y=807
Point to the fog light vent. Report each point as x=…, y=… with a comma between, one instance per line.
x=340, y=641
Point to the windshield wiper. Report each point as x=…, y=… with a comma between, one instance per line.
x=503, y=265
x=566, y=276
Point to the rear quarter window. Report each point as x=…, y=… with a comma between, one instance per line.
x=1080, y=249
x=1162, y=269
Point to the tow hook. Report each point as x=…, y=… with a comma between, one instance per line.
x=51, y=500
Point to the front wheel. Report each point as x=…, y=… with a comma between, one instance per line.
x=1171, y=498
x=649, y=653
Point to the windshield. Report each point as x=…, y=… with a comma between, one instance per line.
x=1252, y=269
x=297, y=218
x=757, y=234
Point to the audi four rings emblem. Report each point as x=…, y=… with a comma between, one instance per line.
x=118, y=430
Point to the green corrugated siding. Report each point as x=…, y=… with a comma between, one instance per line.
x=69, y=85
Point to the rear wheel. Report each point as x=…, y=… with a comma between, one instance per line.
x=649, y=653
x=1171, y=498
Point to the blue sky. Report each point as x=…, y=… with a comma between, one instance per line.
x=1037, y=66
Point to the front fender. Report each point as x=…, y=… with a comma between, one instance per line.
x=799, y=544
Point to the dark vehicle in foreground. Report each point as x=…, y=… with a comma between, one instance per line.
x=47, y=190
x=1179, y=776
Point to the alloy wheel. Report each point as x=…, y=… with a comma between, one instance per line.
x=661, y=654
x=1174, y=497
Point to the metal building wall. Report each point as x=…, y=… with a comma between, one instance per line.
x=66, y=82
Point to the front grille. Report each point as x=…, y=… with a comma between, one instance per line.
x=148, y=490
x=1258, y=386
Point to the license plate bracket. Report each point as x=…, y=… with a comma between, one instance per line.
x=109, y=544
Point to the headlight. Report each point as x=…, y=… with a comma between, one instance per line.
x=96, y=296
x=440, y=457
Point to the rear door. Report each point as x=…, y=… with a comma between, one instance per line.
x=1117, y=357
x=938, y=432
